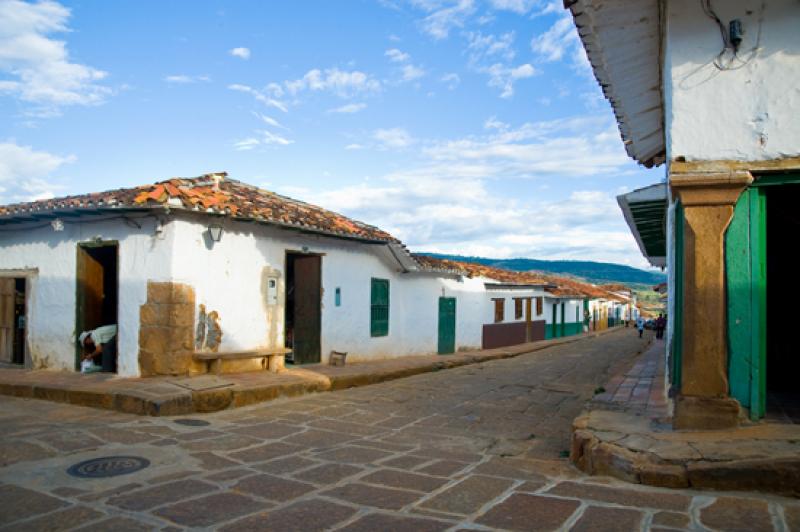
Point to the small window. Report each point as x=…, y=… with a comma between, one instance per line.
x=499, y=310
x=518, y=308
x=539, y=306
x=379, y=308
x=338, y=297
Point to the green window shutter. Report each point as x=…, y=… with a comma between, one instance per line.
x=379, y=308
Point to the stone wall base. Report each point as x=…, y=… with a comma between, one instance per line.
x=166, y=331
x=705, y=413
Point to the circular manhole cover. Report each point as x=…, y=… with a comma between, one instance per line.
x=108, y=466
x=192, y=422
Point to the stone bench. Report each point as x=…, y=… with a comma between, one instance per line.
x=274, y=358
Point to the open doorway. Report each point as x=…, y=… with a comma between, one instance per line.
x=12, y=320
x=97, y=292
x=303, y=311
x=783, y=362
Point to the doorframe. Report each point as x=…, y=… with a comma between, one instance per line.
x=305, y=253
x=78, y=318
x=29, y=274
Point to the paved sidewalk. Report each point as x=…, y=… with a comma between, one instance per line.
x=626, y=432
x=169, y=396
x=478, y=447
x=641, y=387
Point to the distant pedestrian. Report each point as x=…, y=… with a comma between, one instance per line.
x=640, y=326
x=661, y=323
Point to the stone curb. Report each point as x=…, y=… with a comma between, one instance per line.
x=779, y=475
x=130, y=400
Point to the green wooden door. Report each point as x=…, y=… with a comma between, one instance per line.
x=447, y=325
x=379, y=308
x=563, y=316
x=745, y=263
x=554, y=325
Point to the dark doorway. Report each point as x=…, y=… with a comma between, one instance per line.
x=12, y=320
x=783, y=362
x=303, y=319
x=97, y=290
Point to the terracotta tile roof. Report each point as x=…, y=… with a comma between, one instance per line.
x=559, y=285
x=210, y=193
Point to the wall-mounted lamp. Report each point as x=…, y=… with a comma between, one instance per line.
x=57, y=224
x=215, y=230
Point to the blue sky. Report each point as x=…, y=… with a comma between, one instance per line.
x=460, y=126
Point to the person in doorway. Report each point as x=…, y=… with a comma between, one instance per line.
x=640, y=326
x=99, y=345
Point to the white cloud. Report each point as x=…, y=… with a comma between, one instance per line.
x=411, y=72
x=37, y=68
x=517, y=6
x=184, y=79
x=342, y=83
x=261, y=138
x=447, y=200
x=354, y=146
x=349, y=108
x=396, y=56
x=241, y=53
x=269, y=121
x=395, y=138
x=444, y=16
x=559, y=38
x=260, y=96
x=503, y=77
x=451, y=79
x=24, y=172
x=490, y=47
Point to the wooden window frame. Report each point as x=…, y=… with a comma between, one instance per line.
x=519, y=311
x=499, y=309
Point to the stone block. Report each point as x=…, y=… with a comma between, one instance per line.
x=773, y=475
x=728, y=513
x=705, y=413
x=212, y=400
x=156, y=340
x=608, y=459
x=181, y=315
x=522, y=511
x=159, y=292
x=154, y=315
x=663, y=475
x=182, y=293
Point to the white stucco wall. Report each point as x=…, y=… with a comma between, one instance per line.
x=749, y=113
x=50, y=331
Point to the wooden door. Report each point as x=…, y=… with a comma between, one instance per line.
x=307, y=309
x=528, y=320
x=746, y=273
x=91, y=279
x=7, y=296
x=447, y=325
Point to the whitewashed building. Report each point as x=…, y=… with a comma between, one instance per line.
x=710, y=90
x=210, y=264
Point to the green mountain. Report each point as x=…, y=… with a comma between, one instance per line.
x=596, y=272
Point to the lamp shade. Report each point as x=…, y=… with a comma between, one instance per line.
x=215, y=230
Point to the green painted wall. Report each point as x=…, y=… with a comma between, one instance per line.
x=568, y=328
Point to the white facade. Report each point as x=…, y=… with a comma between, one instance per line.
x=230, y=277
x=748, y=110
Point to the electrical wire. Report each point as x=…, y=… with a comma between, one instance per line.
x=719, y=61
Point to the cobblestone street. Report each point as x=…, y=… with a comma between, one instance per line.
x=476, y=447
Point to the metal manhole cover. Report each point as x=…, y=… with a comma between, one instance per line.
x=108, y=466
x=192, y=422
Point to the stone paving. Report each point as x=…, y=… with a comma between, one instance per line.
x=478, y=447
